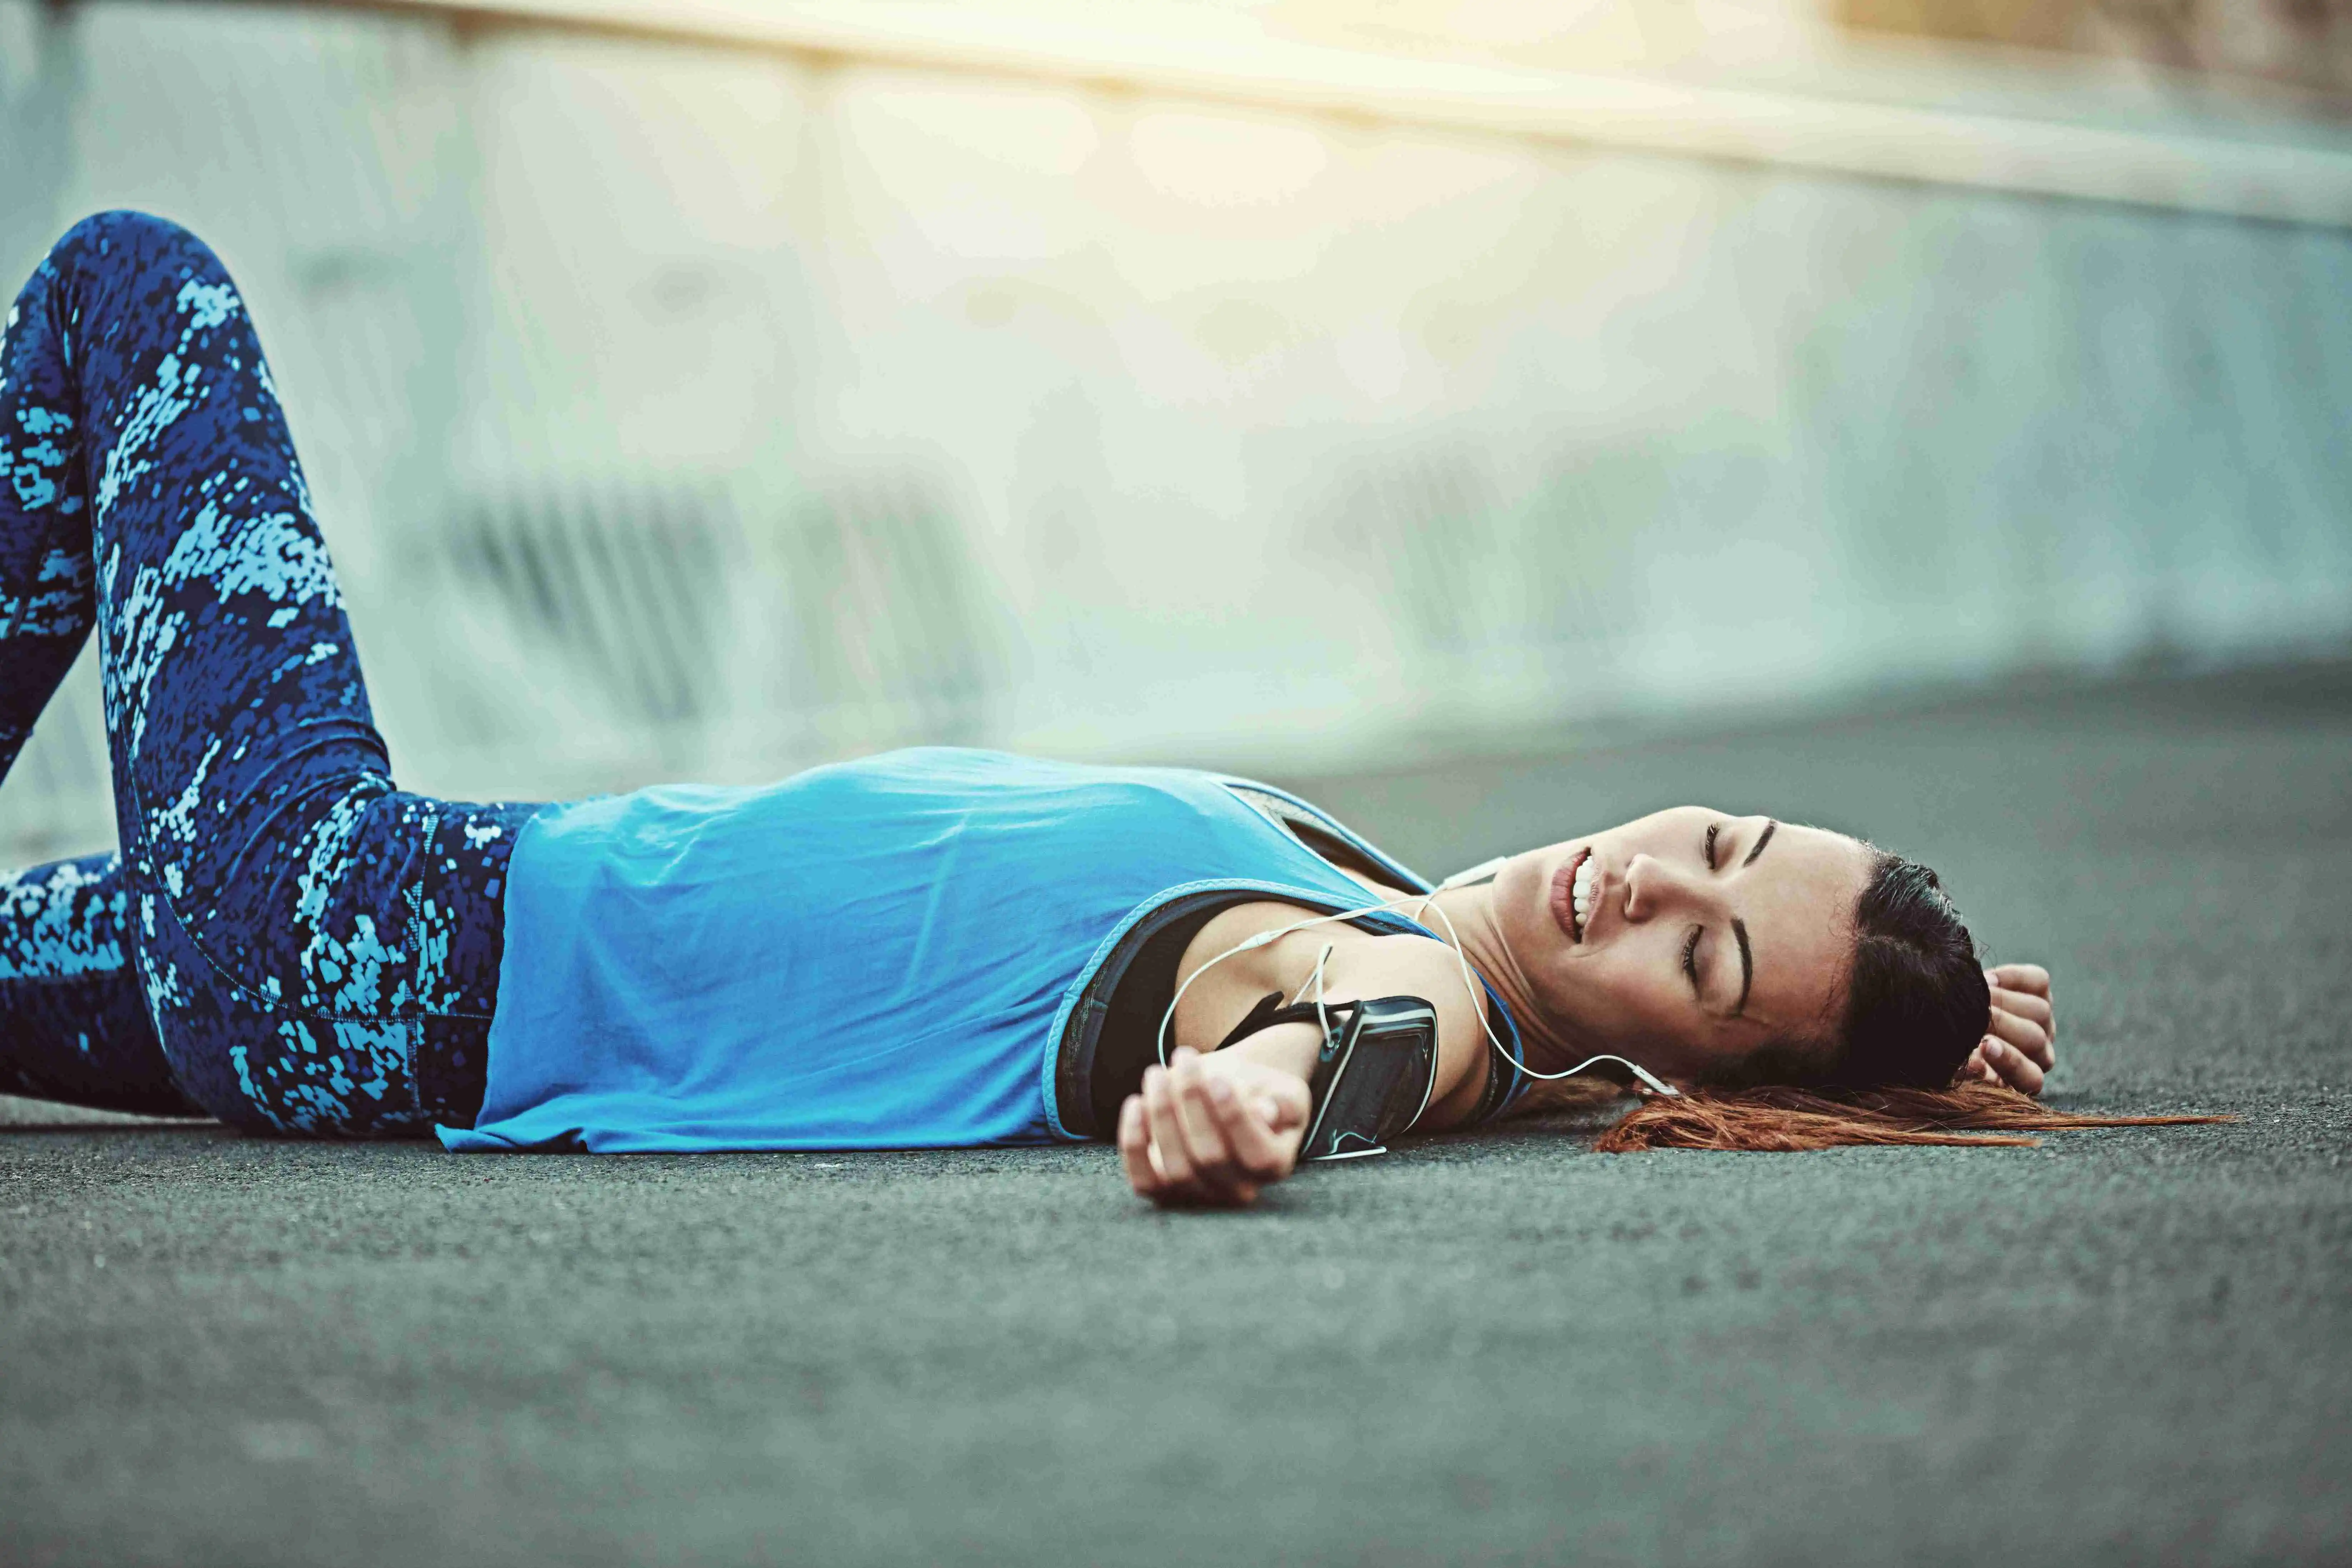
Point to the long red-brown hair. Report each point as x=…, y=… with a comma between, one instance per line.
x=1780, y=1118
x=1775, y=1117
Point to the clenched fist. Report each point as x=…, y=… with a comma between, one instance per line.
x=1211, y=1129
x=2019, y=1045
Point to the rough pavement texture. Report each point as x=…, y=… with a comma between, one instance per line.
x=2118, y=1346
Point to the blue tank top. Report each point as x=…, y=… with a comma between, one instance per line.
x=882, y=954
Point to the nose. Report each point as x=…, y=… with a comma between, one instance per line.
x=1656, y=887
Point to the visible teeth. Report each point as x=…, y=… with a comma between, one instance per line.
x=1581, y=891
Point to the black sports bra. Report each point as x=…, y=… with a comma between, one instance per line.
x=1130, y=993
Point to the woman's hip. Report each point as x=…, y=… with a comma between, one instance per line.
x=344, y=987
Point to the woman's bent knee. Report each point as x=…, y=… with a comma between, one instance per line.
x=127, y=232
x=105, y=266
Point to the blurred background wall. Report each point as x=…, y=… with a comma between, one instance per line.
x=708, y=389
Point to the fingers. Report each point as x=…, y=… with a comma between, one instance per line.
x=1260, y=1154
x=2031, y=978
x=2004, y=1063
x=1135, y=1150
x=1204, y=1135
x=2022, y=1020
x=1169, y=1151
x=2027, y=1035
x=1198, y=1140
x=2026, y=1004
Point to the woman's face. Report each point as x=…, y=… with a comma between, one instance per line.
x=1685, y=939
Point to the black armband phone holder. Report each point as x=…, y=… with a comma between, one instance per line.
x=1373, y=1076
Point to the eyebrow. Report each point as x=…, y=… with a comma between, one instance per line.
x=1747, y=963
x=1761, y=839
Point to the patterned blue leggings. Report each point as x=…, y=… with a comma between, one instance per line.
x=285, y=941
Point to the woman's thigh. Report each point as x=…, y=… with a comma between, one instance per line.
x=300, y=923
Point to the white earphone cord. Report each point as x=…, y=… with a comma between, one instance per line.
x=1469, y=982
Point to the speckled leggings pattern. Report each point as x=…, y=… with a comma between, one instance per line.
x=285, y=941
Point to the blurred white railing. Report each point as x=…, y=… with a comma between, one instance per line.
x=677, y=407
x=2032, y=138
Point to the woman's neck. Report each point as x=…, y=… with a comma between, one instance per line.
x=1471, y=912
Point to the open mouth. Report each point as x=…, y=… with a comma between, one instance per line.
x=1574, y=891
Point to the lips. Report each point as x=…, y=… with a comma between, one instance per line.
x=1563, y=903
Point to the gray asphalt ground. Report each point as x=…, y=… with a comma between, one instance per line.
x=2122, y=1346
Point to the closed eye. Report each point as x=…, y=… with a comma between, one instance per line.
x=1690, y=956
x=1713, y=828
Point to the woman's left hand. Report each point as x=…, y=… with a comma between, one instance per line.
x=2019, y=1044
x=1211, y=1129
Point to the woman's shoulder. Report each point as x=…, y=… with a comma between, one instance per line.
x=1277, y=951
x=1248, y=953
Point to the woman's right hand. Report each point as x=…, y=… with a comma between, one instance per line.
x=1211, y=1129
x=2019, y=1044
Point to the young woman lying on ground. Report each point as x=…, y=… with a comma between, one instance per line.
x=923, y=949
